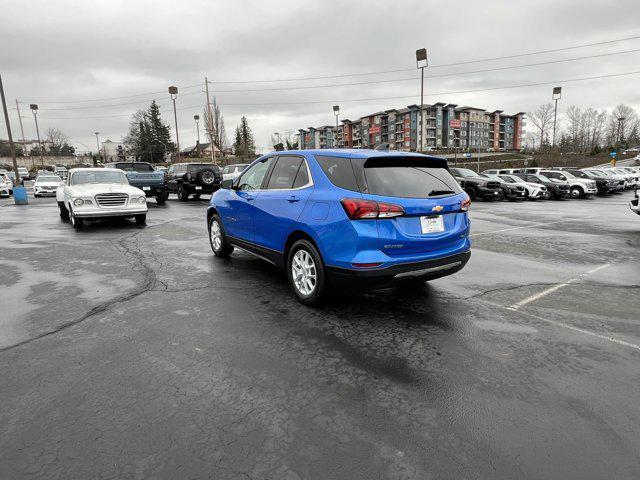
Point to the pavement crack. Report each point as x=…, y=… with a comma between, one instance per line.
x=130, y=247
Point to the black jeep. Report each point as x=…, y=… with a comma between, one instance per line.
x=193, y=179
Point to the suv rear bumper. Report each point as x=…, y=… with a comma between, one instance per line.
x=367, y=279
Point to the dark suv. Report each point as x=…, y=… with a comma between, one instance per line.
x=477, y=186
x=193, y=179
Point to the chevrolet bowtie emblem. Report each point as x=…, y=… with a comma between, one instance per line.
x=437, y=208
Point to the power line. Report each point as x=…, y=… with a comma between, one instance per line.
x=489, y=59
x=368, y=82
x=116, y=98
x=309, y=102
x=538, y=52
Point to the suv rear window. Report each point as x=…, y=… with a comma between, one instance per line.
x=196, y=167
x=408, y=178
x=134, y=167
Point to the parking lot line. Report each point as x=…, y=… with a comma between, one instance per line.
x=527, y=226
x=581, y=330
x=555, y=288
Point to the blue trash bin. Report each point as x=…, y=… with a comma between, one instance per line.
x=20, y=196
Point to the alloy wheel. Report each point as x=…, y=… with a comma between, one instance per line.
x=216, y=235
x=304, y=273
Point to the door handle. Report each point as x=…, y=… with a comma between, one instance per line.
x=248, y=198
x=293, y=199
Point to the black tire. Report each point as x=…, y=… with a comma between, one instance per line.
x=161, y=198
x=472, y=193
x=76, y=223
x=224, y=249
x=64, y=213
x=183, y=195
x=313, y=297
x=500, y=196
x=141, y=219
x=576, y=192
x=206, y=176
x=196, y=196
x=35, y=195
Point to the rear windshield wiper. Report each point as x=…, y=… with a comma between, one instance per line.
x=435, y=193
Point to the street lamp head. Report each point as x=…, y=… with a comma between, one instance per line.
x=196, y=117
x=173, y=90
x=557, y=93
x=336, y=109
x=97, y=133
x=34, y=107
x=421, y=58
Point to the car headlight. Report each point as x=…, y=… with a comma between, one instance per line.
x=142, y=199
x=78, y=202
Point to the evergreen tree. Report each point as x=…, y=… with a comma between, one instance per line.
x=243, y=144
x=149, y=138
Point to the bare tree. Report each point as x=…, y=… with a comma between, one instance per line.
x=57, y=138
x=542, y=120
x=214, y=125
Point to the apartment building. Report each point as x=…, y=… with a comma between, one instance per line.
x=443, y=126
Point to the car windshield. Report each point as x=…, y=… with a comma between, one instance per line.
x=48, y=178
x=464, y=172
x=540, y=178
x=512, y=179
x=99, y=176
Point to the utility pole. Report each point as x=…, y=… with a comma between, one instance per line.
x=212, y=145
x=24, y=142
x=34, y=109
x=11, y=146
x=421, y=62
x=173, y=91
x=95, y=162
x=557, y=93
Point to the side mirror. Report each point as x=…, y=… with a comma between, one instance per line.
x=227, y=184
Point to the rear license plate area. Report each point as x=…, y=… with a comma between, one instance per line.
x=432, y=224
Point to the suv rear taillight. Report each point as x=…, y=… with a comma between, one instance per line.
x=465, y=205
x=359, y=209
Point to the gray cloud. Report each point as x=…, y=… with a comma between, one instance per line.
x=68, y=50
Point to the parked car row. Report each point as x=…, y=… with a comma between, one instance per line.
x=550, y=183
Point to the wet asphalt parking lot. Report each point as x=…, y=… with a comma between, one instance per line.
x=131, y=352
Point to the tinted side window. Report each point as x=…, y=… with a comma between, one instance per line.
x=339, y=171
x=284, y=173
x=252, y=178
x=303, y=176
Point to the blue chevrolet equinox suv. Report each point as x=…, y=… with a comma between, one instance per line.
x=345, y=218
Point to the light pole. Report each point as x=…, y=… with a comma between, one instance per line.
x=557, y=94
x=97, y=134
x=197, y=119
x=421, y=63
x=336, y=112
x=11, y=145
x=173, y=91
x=34, y=109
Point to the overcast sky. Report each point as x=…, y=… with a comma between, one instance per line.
x=69, y=51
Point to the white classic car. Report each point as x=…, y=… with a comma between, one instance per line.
x=96, y=193
x=46, y=184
